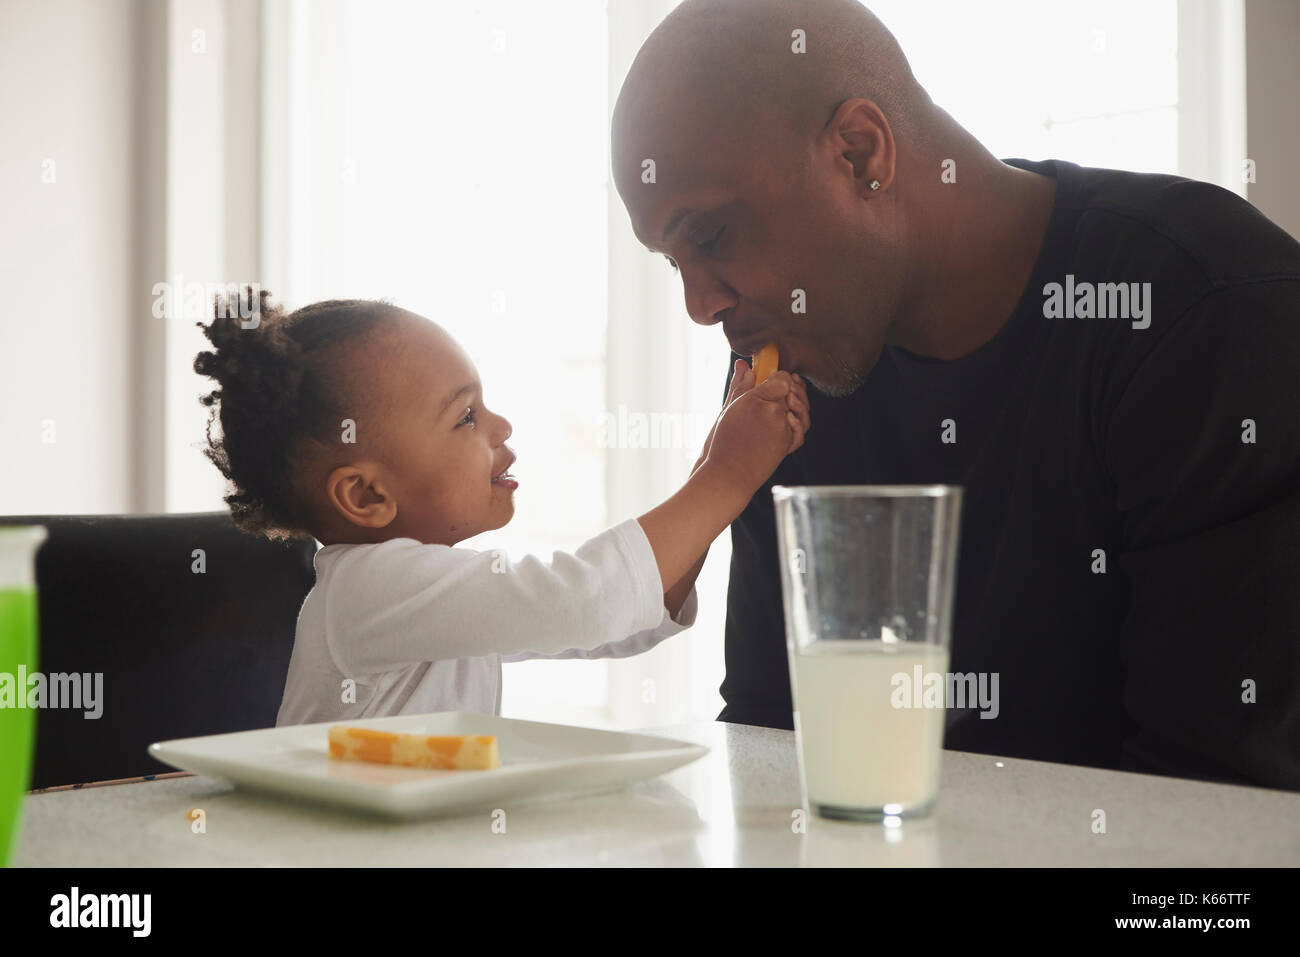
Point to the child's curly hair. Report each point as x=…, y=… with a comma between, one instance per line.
x=280, y=393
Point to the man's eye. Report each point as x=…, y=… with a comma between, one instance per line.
x=704, y=246
x=469, y=417
x=708, y=244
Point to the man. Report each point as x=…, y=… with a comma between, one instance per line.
x=1107, y=362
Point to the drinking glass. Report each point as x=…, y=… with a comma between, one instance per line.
x=867, y=574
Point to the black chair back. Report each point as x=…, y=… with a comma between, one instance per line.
x=189, y=621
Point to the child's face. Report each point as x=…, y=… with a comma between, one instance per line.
x=440, y=447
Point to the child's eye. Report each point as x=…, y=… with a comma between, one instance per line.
x=469, y=417
x=671, y=263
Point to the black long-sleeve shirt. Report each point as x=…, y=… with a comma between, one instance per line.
x=1174, y=449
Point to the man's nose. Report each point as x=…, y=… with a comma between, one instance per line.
x=707, y=299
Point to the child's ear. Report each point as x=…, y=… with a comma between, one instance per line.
x=358, y=494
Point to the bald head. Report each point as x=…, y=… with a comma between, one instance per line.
x=725, y=67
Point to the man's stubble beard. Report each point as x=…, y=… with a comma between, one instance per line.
x=847, y=380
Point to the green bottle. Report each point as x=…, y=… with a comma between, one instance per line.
x=18, y=647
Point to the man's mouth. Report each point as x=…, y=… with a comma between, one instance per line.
x=749, y=347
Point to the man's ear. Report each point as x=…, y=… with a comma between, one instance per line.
x=860, y=135
x=358, y=494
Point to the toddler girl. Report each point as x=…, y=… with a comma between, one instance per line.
x=364, y=426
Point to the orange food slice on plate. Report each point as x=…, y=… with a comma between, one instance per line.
x=456, y=752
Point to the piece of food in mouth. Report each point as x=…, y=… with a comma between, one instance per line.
x=455, y=752
x=765, y=362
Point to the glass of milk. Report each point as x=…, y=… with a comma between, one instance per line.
x=867, y=574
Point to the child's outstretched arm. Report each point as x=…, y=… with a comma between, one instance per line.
x=757, y=428
x=401, y=602
x=742, y=380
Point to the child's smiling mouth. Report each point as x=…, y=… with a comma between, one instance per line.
x=505, y=478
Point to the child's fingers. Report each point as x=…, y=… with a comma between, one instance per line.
x=776, y=387
x=805, y=422
x=799, y=406
x=742, y=379
x=797, y=430
x=797, y=401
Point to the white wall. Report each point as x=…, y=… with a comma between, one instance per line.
x=66, y=256
x=211, y=230
x=150, y=118
x=1273, y=108
x=1212, y=92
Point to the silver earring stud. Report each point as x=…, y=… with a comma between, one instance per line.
x=874, y=185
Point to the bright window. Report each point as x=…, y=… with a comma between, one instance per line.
x=1095, y=83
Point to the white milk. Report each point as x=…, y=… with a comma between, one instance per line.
x=858, y=750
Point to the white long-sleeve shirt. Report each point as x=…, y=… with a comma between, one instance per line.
x=423, y=628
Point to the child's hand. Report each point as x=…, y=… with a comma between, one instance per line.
x=759, y=426
x=742, y=380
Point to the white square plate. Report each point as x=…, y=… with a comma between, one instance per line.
x=538, y=761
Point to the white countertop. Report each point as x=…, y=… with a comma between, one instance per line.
x=735, y=806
